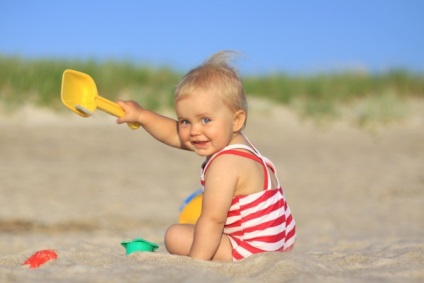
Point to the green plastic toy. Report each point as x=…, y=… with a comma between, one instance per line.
x=139, y=245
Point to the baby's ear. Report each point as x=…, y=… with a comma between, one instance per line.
x=239, y=118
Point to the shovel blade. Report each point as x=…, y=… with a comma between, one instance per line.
x=79, y=89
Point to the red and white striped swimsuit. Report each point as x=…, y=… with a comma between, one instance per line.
x=260, y=222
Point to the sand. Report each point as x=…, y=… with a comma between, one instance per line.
x=81, y=186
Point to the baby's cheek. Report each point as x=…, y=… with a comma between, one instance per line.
x=184, y=138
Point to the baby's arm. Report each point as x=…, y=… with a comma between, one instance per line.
x=162, y=128
x=220, y=185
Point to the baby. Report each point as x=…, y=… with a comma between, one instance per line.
x=244, y=211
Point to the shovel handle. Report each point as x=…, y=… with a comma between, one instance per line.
x=114, y=109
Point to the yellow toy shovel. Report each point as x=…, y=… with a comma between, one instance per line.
x=79, y=93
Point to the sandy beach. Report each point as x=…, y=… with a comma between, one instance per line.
x=81, y=186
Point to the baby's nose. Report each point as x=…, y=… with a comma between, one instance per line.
x=195, y=129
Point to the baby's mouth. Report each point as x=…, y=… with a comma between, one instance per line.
x=199, y=143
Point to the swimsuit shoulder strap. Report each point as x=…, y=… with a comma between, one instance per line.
x=252, y=154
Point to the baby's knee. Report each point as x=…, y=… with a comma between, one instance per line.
x=179, y=238
x=170, y=236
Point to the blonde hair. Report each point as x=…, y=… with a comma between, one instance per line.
x=216, y=75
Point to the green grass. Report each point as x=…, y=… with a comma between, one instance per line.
x=316, y=96
x=38, y=82
x=321, y=95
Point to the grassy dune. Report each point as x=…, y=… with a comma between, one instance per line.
x=369, y=97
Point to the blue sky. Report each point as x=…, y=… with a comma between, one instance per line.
x=287, y=36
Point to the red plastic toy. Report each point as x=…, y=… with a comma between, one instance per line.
x=39, y=258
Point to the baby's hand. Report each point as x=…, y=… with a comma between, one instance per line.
x=132, y=112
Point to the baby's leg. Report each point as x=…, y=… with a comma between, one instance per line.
x=179, y=238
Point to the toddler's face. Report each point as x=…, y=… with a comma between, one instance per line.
x=205, y=123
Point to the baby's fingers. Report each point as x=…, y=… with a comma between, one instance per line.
x=121, y=103
x=122, y=119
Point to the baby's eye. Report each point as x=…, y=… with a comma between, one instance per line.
x=184, y=122
x=206, y=120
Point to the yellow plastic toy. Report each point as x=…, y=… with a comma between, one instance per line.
x=79, y=93
x=191, y=208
